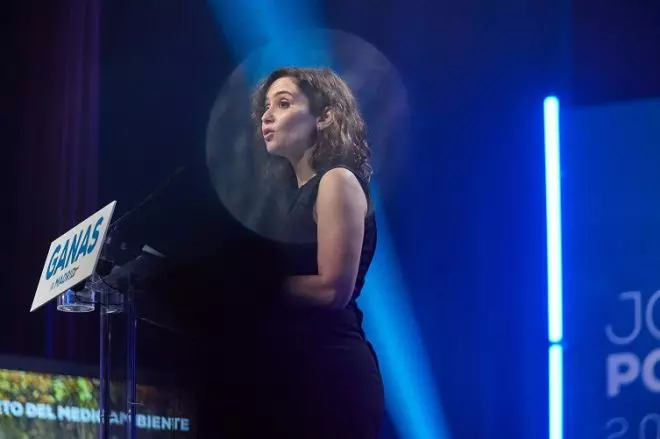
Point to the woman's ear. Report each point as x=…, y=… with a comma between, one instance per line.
x=326, y=118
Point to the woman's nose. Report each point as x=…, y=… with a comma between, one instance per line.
x=267, y=116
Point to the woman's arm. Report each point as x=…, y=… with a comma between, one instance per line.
x=341, y=207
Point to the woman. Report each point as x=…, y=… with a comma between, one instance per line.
x=314, y=374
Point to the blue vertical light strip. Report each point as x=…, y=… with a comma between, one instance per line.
x=556, y=392
x=554, y=261
x=553, y=218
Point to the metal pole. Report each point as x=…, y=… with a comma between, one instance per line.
x=131, y=382
x=104, y=372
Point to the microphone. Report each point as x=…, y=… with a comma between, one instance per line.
x=110, y=255
x=114, y=252
x=159, y=189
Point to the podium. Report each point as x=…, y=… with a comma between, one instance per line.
x=85, y=269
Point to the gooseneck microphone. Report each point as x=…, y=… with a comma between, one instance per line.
x=114, y=251
x=159, y=189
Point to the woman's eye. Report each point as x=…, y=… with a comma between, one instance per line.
x=284, y=104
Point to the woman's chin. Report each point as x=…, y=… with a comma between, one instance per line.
x=272, y=148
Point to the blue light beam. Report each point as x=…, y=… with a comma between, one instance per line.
x=411, y=393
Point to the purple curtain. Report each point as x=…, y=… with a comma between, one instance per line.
x=56, y=165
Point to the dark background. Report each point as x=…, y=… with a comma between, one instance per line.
x=468, y=216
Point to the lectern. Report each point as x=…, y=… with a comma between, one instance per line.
x=85, y=269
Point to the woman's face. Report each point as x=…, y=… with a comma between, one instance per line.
x=287, y=124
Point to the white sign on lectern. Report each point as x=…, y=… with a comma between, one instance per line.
x=73, y=256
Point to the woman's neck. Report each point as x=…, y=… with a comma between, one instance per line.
x=303, y=169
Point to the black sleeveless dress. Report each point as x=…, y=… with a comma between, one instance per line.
x=307, y=372
x=323, y=379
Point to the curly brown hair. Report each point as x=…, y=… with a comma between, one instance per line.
x=344, y=140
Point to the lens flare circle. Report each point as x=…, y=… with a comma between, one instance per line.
x=236, y=156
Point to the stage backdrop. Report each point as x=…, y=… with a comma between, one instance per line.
x=611, y=192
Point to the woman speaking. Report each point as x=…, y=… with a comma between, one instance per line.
x=314, y=375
